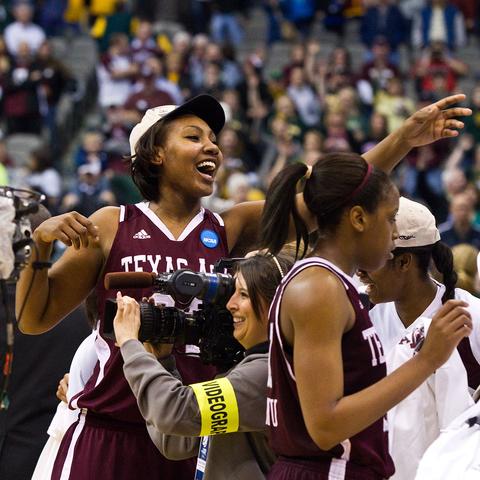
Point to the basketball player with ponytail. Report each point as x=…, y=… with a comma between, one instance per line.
x=405, y=298
x=327, y=391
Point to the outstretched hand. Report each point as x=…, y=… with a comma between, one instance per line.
x=434, y=122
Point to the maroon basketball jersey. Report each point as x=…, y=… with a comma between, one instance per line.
x=363, y=365
x=144, y=243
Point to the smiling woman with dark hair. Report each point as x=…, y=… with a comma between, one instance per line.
x=180, y=417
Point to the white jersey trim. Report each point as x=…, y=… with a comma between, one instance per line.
x=338, y=469
x=219, y=218
x=103, y=354
x=194, y=222
x=67, y=465
x=122, y=214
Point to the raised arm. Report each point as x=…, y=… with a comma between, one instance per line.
x=427, y=125
x=318, y=324
x=46, y=296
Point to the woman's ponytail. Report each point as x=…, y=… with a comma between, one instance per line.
x=280, y=207
x=443, y=259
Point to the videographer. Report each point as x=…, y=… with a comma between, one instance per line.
x=174, y=162
x=233, y=404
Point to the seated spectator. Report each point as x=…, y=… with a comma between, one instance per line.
x=145, y=95
x=297, y=56
x=337, y=136
x=44, y=177
x=23, y=30
x=282, y=147
x=440, y=21
x=312, y=147
x=394, y=103
x=460, y=228
x=157, y=67
x=115, y=72
x=239, y=189
x=347, y=103
x=375, y=74
x=90, y=192
x=304, y=97
x=376, y=132
x=197, y=58
x=20, y=99
x=437, y=62
x=55, y=80
x=143, y=44
x=92, y=151
x=384, y=18
x=465, y=264
x=212, y=80
x=284, y=108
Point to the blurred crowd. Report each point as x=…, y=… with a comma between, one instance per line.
x=318, y=100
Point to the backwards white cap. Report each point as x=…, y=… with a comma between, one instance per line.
x=415, y=224
x=203, y=106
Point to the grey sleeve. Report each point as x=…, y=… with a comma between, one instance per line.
x=174, y=447
x=164, y=402
x=171, y=408
x=249, y=380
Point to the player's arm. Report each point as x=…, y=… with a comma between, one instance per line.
x=242, y=225
x=320, y=318
x=46, y=296
x=427, y=125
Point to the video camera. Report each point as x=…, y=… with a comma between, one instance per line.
x=208, y=325
x=15, y=229
x=16, y=208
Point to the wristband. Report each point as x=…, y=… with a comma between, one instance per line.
x=218, y=406
x=41, y=265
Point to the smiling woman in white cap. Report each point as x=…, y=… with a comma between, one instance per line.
x=174, y=162
x=406, y=297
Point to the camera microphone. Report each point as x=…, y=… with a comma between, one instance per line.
x=118, y=280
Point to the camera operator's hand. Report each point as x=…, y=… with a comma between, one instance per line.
x=62, y=388
x=126, y=323
x=70, y=228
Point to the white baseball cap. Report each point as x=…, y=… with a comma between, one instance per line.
x=203, y=106
x=415, y=224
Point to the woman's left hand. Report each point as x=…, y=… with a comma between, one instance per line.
x=126, y=323
x=434, y=122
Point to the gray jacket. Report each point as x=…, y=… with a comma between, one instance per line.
x=173, y=416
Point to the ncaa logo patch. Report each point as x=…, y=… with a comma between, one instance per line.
x=209, y=238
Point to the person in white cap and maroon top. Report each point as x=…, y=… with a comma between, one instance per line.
x=406, y=297
x=174, y=161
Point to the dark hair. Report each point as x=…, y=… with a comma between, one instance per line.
x=442, y=257
x=145, y=174
x=44, y=158
x=262, y=277
x=335, y=184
